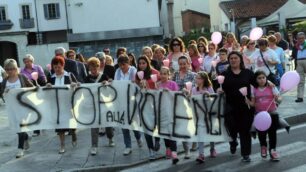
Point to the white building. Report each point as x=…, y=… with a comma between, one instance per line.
x=39, y=26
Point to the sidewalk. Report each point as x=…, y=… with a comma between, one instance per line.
x=43, y=153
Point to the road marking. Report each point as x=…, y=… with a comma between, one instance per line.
x=299, y=168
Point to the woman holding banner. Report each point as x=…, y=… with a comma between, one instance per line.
x=181, y=77
x=148, y=81
x=127, y=72
x=61, y=78
x=16, y=80
x=96, y=76
x=238, y=116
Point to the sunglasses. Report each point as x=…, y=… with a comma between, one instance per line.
x=176, y=45
x=253, y=43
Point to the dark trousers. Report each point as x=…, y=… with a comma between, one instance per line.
x=149, y=140
x=171, y=144
x=36, y=132
x=22, y=137
x=271, y=132
x=245, y=141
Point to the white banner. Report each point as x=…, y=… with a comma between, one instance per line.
x=122, y=104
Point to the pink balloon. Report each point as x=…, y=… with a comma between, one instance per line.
x=188, y=85
x=289, y=81
x=140, y=74
x=256, y=33
x=154, y=77
x=34, y=75
x=220, y=79
x=214, y=63
x=216, y=37
x=49, y=67
x=243, y=91
x=262, y=121
x=166, y=62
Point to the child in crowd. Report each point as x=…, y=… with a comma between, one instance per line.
x=203, y=86
x=223, y=63
x=167, y=84
x=263, y=98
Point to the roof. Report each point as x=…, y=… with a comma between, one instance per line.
x=251, y=8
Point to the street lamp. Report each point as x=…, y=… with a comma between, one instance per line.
x=233, y=24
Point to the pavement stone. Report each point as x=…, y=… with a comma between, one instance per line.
x=43, y=153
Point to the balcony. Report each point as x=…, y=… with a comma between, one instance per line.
x=5, y=24
x=26, y=23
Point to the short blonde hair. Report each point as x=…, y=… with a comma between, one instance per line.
x=93, y=61
x=161, y=49
x=10, y=63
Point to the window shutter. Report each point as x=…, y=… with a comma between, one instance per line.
x=57, y=10
x=46, y=11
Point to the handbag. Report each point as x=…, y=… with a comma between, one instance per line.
x=271, y=77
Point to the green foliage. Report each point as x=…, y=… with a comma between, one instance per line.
x=195, y=34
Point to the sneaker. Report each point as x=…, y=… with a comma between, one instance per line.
x=127, y=151
x=157, y=146
x=20, y=153
x=151, y=154
x=263, y=151
x=200, y=158
x=111, y=143
x=233, y=147
x=168, y=153
x=187, y=154
x=61, y=151
x=35, y=134
x=246, y=159
x=175, y=160
x=93, y=151
x=274, y=155
x=139, y=142
x=213, y=153
x=299, y=100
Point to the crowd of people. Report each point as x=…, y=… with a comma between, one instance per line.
x=256, y=65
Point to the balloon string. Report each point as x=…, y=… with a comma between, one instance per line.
x=270, y=105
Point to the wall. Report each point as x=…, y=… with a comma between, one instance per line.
x=201, y=6
x=13, y=12
x=112, y=15
x=44, y=53
x=194, y=20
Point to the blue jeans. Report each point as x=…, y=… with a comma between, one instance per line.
x=127, y=137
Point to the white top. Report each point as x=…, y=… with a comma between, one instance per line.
x=12, y=85
x=207, y=63
x=268, y=55
x=130, y=75
x=301, y=54
x=60, y=80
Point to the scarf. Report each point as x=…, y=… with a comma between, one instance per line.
x=298, y=46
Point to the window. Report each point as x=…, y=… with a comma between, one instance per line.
x=2, y=14
x=52, y=11
x=25, y=12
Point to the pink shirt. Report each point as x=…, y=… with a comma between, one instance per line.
x=263, y=98
x=205, y=89
x=171, y=85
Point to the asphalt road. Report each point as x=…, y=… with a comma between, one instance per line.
x=292, y=149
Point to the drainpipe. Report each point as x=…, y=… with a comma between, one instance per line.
x=170, y=18
x=38, y=34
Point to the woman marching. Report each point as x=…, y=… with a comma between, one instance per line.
x=238, y=116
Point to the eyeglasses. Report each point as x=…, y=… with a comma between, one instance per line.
x=211, y=48
x=252, y=43
x=174, y=45
x=200, y=46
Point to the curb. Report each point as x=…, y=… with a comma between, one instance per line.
x=293, y=120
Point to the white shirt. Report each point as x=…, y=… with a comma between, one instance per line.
x=60, y=80
x=12, y=85
x=130, y=75
x=301, y=54
x=1, y=72
x=207, y=63
x=268, y=55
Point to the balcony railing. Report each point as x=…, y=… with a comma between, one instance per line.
x=5, y=24
x=26, y=23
